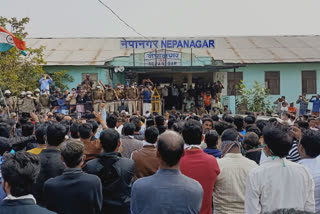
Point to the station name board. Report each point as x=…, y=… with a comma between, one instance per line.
x=154, y=44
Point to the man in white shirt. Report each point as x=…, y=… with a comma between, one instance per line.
x=278, y=183
x=229, y=189
x=309, y=150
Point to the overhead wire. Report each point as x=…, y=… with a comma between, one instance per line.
x=123, y=21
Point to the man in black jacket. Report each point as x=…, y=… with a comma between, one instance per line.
x=74, y=191
x=51, y=164
x=115, y=173
x=17, y=143
x=19, y=171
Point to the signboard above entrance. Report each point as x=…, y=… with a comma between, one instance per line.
x=154, y=44
x=162, y=58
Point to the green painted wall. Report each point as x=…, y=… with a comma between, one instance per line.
x=290, y=75
x=290, y=78
x=77, y=71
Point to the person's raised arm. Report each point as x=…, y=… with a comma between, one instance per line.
x=311, y=99
x=99, y=118
x=101, y=83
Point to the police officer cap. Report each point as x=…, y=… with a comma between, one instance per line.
x=23, y=93
x=7, y=92
x=37, y=90
x=29, y=92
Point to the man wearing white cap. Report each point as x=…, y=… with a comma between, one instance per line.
x=8, y=100
x=28, y=104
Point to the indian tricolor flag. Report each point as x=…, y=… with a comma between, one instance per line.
x=8, y=40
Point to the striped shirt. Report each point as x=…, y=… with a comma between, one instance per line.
x=294, y=155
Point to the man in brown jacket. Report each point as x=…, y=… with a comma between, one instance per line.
x=146, y=161
x=92, y=148
x=129, y=143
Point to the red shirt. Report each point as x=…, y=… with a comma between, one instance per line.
x=203, y=168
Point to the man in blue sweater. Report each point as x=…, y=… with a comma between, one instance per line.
x=167, y=191
x=316, y=105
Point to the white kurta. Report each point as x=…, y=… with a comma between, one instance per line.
x=279, y=184
x=313, y=165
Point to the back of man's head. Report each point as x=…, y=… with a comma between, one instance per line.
x=178, y=127
x=150, y=122
x=220, y=126
x=278, y=138
x=261, y=124
x=310, y=141
x=249, y=119
x=230, y=135
x=56, y=134
x=159, y=120
x=72, y=152
x=171, y=121
x=20, y=171
x=41, y=132
x=151, y=135
x=128, y=129
x=251, y=139
x=303, y=124
x=109, y=140
x=170, y=147
x=94, y=124
x=74, y=129
x=27, y=129
x=192, y=132
x=85, y=130
x=111, y=121
x=229, y=119
x=238, y=122
x=59, y=117
x=215, y=118
x=5, y=130
x=137, y=122
x=255, y=129
x=211, y=138
x=4, y=145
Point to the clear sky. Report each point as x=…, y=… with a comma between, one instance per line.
x=88, y=18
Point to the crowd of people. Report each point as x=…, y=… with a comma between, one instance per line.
x=130, y=98
x=178, y=163
x=105, y=161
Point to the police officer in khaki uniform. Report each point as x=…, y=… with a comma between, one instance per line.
x=9, y=101
x=132, y=95
x=20, y=101
x=109, y=96
x=139, y=98
x=37, y=99
x=98, y=98
x=44, y=102
x=29, y=103
x=121, y=95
